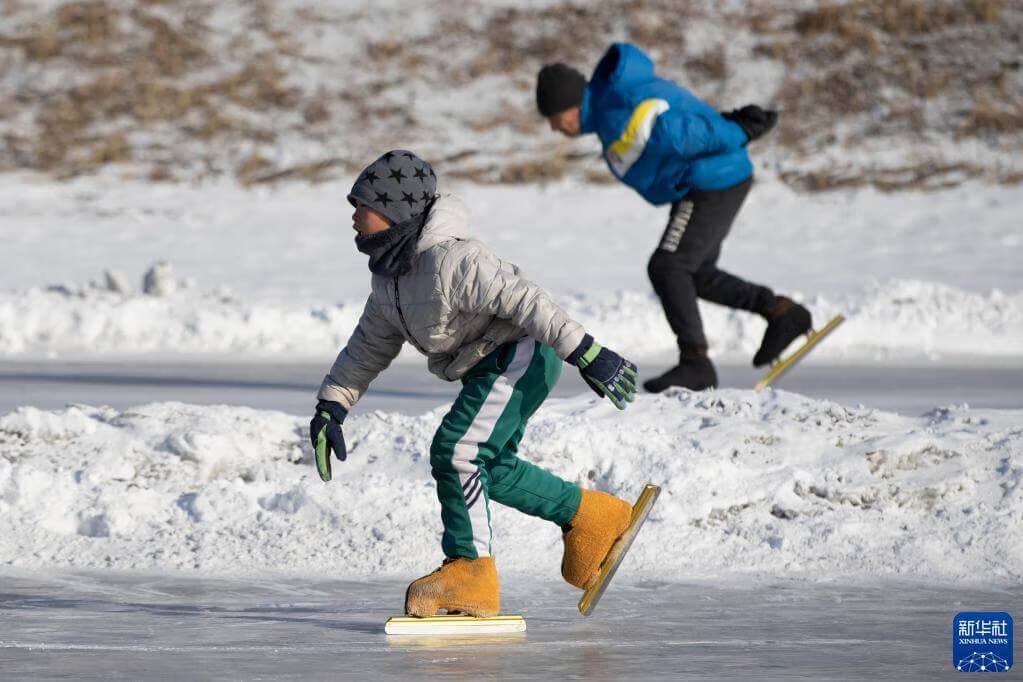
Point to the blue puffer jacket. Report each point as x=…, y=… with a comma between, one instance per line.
x=658, y=138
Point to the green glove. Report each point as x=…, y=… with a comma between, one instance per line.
x=325, y=435
x=608, y=374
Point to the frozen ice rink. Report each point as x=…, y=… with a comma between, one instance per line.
x=406, y=387
x=112, y=626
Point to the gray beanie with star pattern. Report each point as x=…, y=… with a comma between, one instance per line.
x=399, y=185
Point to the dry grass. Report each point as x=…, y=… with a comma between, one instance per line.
x=711, y=65
x=922, y=176
x=521, y=119
x=542, y=169
x=912, y=72
x=897, y=69
x=994, y=113
x=136, y=65
x=553, y=164
x=518, y=40
x=599, y=176
x=315, y=171
x=856, y=19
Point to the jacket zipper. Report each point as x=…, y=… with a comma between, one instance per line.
x=401, y=316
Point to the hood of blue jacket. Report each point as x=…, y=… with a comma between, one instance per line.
x=621, y=67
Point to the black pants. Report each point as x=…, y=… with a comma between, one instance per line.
x=684, y=266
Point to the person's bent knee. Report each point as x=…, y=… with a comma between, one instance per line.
x=705, y=278
x=441, y=453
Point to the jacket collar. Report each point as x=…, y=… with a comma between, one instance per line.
x=448, y=219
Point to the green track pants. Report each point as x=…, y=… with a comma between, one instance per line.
x=473, y=455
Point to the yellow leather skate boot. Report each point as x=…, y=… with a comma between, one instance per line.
x=460, y=585
x=601, y=518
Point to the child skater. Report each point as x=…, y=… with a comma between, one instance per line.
x=478, y=321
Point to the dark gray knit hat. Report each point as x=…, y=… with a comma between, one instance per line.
x=558, y=87
x=399, y=185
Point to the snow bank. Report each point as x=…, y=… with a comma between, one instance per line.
x=899, y=319
x=771, y=482
x=69, y=320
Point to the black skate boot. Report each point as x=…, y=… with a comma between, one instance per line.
x=786, y=320
x=694, y=371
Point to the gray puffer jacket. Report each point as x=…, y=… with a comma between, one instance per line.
x=457, y=304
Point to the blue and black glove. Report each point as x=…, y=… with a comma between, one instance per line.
x=753, y=120
x=607, y=373
x=325, y=434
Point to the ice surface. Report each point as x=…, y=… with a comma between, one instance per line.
x=407, y=388
x=113, y=625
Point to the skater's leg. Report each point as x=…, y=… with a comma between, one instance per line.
x=591, y=520
x=455, y=454
x=717, y=286
x=671, y=274
x=691, y=241
x=467, y=582
x=518, y=483
x=526, y=487
x=497, y=398
x=711, y=218
x=683, y=268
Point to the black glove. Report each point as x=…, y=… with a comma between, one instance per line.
x=753, y=120
x=608, y=374
x=325, y=434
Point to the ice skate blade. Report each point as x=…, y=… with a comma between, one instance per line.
x=812, y=339
x=442, y=641
x=619, y=549
x=454, y=625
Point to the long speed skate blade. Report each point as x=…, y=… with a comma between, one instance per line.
x=812, y=339
x=454, y=625
x=619, y=549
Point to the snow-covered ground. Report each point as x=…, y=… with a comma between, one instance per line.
x=773, y=483
x=272, y=273
x=769, y=483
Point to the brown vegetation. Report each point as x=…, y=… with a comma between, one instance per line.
x=893, y=61
x=148, y=82
x=131, y=70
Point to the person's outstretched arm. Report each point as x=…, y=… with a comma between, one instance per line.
x=371, y=348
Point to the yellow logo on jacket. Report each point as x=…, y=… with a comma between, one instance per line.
x=624, y=151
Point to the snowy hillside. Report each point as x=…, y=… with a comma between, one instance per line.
x=898, y=94
x=771, y=483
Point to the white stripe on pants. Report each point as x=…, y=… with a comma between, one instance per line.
x=467, y=448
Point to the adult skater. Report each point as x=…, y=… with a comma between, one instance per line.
x=478, y=320
x=671, y=147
